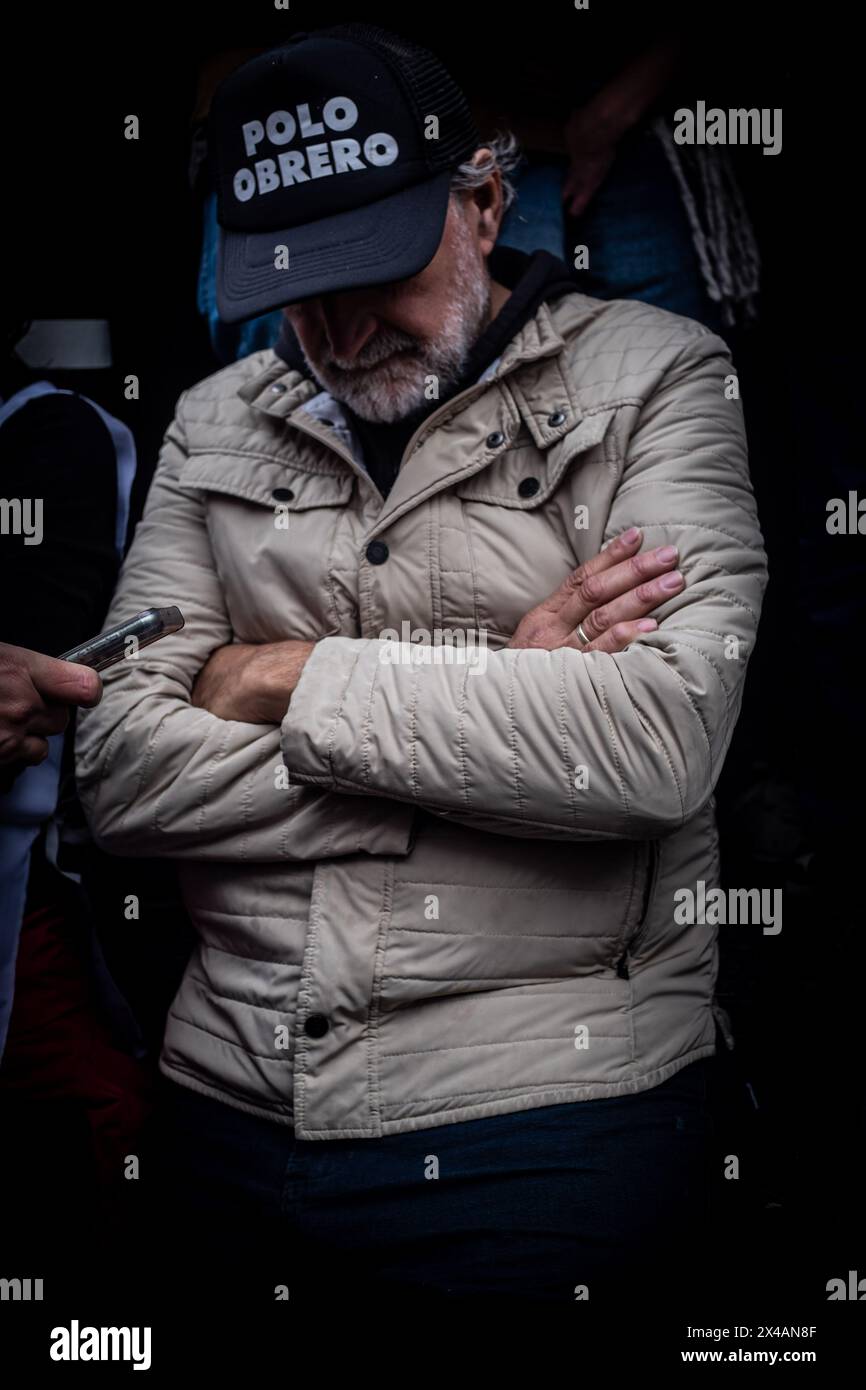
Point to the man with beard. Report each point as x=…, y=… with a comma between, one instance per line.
x=440, y=1018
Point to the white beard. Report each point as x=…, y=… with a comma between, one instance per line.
x=395, y=389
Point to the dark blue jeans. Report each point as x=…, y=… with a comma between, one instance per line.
x=635, y=229
x=530, y=1205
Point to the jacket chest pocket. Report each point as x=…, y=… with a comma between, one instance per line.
x=519, y=523
x=506, y=543
x=277, y=534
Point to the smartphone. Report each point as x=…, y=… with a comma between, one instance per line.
x=111, y=646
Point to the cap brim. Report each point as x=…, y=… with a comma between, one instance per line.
x=391, y=239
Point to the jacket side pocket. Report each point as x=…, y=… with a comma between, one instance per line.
x=652, y=876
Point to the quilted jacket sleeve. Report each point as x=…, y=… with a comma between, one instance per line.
x=556, y=744
x=157, y=776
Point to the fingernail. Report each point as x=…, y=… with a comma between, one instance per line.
x=666, y=553
x=630, y=536
x=647, y=625
x=671, y=581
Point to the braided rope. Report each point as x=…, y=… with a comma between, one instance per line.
x=721, y=229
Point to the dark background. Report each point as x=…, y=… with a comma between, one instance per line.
x=99, y=226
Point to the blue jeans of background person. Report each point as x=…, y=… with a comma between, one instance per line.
x=527, y=1205
x=536, y=219
x=635, y=229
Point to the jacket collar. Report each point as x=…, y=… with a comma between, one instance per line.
x=278, y=390
x=535, y=391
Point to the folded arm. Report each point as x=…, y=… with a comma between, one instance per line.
x=159, y=776
x=558, y=743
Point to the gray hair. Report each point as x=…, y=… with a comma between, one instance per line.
x=504, y=155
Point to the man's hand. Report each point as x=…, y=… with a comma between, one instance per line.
x=36, y=695
x=609, y=596
x=251, y=682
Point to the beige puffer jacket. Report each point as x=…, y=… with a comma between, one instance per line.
x=458, y=900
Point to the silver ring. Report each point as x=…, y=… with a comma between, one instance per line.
x=582, y=635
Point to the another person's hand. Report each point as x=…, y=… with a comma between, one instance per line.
x=36, y=695
x=610, y=596
x=591, y=139
x=251, y=682
x=593, y=132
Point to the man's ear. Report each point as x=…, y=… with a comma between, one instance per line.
x=489, y=204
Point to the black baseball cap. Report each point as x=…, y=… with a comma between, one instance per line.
x=338, y=146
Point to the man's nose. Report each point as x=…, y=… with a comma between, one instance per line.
x=349, y=325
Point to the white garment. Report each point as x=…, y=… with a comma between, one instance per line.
x=33, y=797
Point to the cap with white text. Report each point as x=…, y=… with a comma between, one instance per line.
x=333, y=157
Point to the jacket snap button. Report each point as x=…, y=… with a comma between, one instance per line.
x=316, y=1026
x=495, y=439
x=528, y=487
x=282, y=494
x=377, y=552
x=278, y=388
x=557, y=418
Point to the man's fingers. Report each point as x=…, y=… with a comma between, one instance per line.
x=88, y=689
x=617, y=585
x=637, y=603
x=66, y=681
x=618, y=637
x=73, y=683
x=619, y=549
x=31, y=750
x=599, y=589
x=51, y=719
